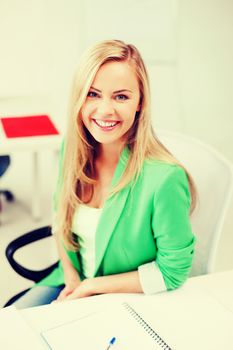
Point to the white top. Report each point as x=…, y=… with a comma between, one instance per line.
x=85, y=223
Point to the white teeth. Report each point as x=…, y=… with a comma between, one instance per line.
x=105, y=124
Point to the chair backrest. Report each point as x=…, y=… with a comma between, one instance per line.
x=213, y=176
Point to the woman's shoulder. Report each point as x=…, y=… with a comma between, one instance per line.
x=159, y=171
x=157, y=165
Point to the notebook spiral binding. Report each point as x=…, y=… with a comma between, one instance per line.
x=163, y=345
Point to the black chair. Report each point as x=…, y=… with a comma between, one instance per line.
x=33, y=275
x=4, y=164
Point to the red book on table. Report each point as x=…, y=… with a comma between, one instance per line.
x=27, y=126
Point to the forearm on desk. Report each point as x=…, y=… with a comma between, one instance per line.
x=127, y=282
x=148, y=279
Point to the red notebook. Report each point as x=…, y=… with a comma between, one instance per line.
x=36, y=125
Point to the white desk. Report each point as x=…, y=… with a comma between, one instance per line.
x=34, y=144
x=197, y=316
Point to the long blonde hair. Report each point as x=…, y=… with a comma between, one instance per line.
x=78, y=171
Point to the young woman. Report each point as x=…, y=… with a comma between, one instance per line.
x=123, y=202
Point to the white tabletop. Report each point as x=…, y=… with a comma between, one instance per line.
x=198, y=315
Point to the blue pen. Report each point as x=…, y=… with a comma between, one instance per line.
x=112, y=341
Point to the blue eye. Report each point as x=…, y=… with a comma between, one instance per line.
x=122, y=97
x=92, y=94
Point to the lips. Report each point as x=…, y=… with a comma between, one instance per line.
x=106, y=125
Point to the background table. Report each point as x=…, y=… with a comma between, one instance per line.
x=35, y=145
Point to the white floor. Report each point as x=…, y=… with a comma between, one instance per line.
x=16, y=219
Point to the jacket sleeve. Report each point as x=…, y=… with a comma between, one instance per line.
x=172, y=229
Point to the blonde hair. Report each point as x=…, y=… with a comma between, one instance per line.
x=78, y=165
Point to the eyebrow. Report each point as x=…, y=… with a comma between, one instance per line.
x=115, y=92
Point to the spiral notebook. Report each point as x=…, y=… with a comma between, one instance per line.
x=95, y=331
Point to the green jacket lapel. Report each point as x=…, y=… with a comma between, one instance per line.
x=111, y=211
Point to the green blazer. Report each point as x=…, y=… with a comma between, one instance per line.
x=145, y=223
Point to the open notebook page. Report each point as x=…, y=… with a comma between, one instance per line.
x=95, y=331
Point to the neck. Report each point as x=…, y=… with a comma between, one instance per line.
x=109, y=154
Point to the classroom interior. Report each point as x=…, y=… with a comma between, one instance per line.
x=188, y=49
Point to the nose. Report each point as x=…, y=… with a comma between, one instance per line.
x=105, y=108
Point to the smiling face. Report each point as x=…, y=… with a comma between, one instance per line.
x=111, y=103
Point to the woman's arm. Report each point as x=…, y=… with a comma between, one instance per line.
x=71, y=276
x=172, y=228
x=127, y=282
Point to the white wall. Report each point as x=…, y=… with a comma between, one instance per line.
x=40, y=44
x=190, y=65
x=206, y=70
